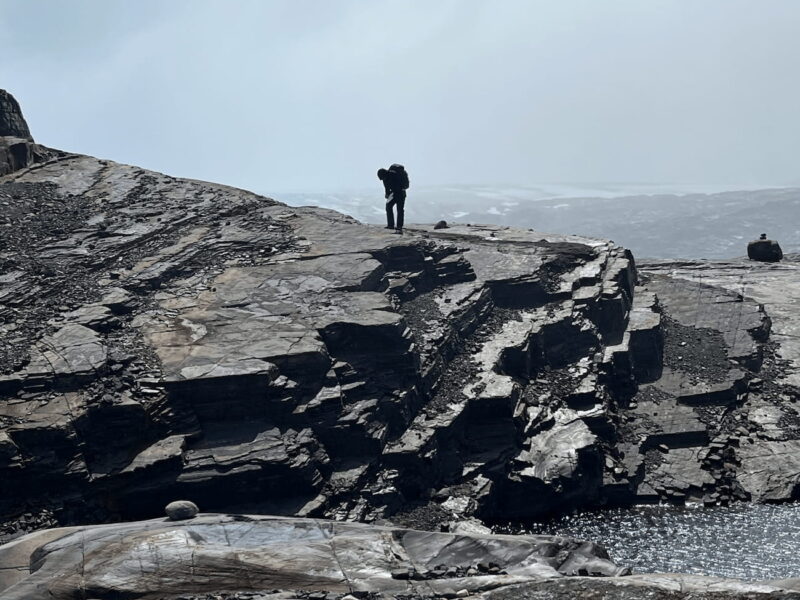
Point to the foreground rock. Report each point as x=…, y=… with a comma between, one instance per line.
x=304, y=558
x=150, y=559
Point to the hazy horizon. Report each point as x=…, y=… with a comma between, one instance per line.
x=308, y=95
x=653, y=222
x=561, y=189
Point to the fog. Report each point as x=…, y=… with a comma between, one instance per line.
x=303, y=95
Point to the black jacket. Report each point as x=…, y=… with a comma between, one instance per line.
x=394, y=183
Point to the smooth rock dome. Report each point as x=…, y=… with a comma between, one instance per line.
x=180, y=510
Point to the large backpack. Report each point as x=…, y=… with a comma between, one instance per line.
x=402, y=175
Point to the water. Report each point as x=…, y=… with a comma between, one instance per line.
x=744, y=541
x=684, y=225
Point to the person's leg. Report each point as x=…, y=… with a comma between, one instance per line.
x=390, y=214
x=401, y=213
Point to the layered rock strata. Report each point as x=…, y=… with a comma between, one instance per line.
x=753, y=428
x=163, y=338
x=12, y=123
x=167, y=338
x=17, y=148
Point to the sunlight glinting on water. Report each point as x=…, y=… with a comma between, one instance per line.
x=744, y=541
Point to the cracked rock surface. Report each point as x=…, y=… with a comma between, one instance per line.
x=169, y=338
x=274, y=557
x=164, y=338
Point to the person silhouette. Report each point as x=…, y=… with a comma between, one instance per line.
x=395, y=183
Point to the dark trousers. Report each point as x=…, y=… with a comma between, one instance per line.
x=398, y=200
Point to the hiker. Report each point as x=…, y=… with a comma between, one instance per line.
x=395, y=184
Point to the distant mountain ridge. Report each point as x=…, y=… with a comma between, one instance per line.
x=672, y=223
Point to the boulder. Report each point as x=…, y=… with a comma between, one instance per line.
x=764, y=250
x=180, y=510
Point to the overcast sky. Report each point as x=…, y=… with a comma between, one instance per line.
x=279, y=95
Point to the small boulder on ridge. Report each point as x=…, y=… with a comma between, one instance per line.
x=764, y=250
x=180, y=510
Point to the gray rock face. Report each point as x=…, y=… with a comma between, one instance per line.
x=190, y=340
x=164, y=338
x=272, y=557
x=12, y=123
x=150, y=558
x=17, y=149
x=17, y=153
x=167, y=338
x=749, y=408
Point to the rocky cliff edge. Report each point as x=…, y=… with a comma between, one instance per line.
x=165, y=338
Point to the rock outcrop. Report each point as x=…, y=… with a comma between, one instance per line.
x=17, y=149
x=264, y=557
x=149, y=559
x=754, y=434
x=12, y=123
x=165, y=338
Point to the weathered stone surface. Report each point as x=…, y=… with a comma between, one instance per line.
x=93, y=316
x=12, y=123
x=118, y=300
x=671, y=423
x=680, y=475
x=17, y=149
x=180, y=510
x=774, y=286
x=770, y=471
x=262, y=343
x=755, y=423
x=249, y=556
x=564, y=457
x=73, y=350
x=164, y=338
x=150, y=559
x=18, y=153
